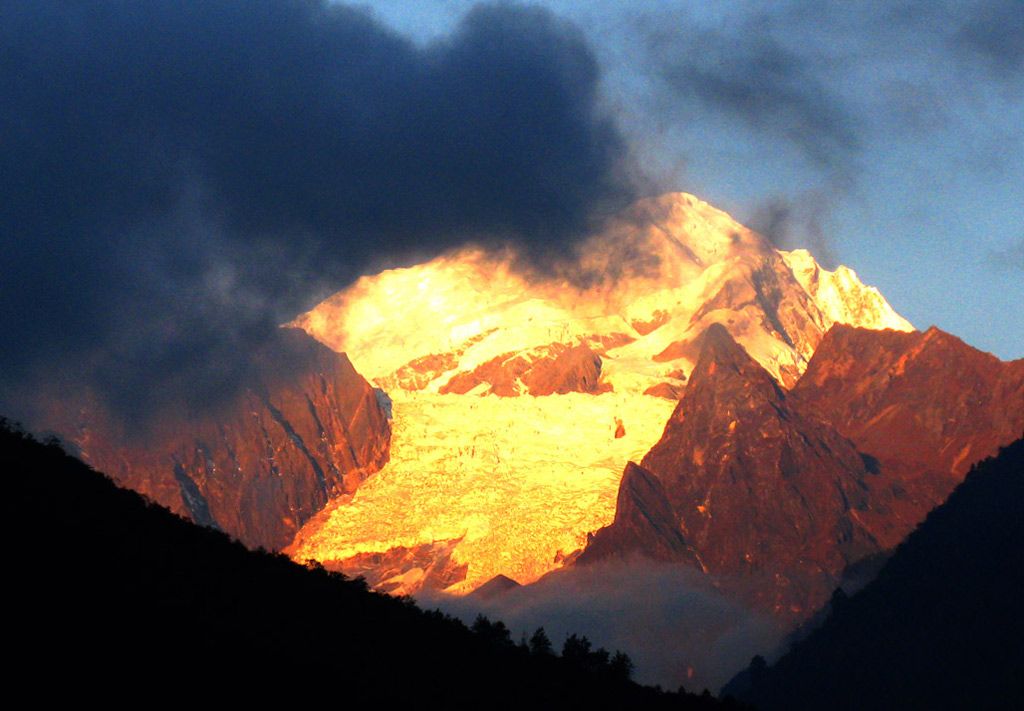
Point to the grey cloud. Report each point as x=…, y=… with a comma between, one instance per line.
x=677, y=629
x=994, y=32
x=792, y=222
x=1009, y=259
x=745, y=74
x=827, y=82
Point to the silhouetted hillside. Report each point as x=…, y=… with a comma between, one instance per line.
x=940, y=628
x=117, y=599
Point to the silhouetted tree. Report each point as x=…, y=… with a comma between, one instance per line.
x=540, y=644
x=838, y=599
x=621, y=665
x=494, y=632
x=576, y=647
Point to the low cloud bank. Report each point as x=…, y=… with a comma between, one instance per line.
x=677, y=629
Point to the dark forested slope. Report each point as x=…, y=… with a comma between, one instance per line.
x=114, y=598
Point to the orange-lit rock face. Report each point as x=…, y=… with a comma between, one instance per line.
x=305, y=429
x=508, y=390
x=926, y=406
x=779, y=494
x=766, y=496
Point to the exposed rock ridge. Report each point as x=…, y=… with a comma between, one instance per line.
x=548, y=370
x=644, y=522
x=924, y=406
x=922, y=398
x=766, y=495
x=305, y=429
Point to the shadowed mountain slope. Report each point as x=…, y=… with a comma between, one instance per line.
x=941, y=625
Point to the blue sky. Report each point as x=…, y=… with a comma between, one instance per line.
x=886, y=136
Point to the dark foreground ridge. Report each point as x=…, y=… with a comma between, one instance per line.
x=939, y=628
x=118, y=599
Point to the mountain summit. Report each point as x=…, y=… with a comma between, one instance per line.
x=638, y=295
x=518, y=397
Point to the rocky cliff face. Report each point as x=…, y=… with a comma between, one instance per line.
x=923, y=400
x=306, y=428
x=924, y=407
x=645, y=522
x=545, y=370
x=778, y=492
x=766, y=496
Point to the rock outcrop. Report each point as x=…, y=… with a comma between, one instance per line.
x=644, y=522
x=495, y=587
x=922, y=407
x=305, y=428
x=766, y=496
x=545, y=370
x=923, y=400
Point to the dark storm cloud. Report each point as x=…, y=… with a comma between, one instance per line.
x=177, y=178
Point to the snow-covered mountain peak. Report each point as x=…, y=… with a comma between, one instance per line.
x=638, y=295
x=841, y=296
x=581, y=367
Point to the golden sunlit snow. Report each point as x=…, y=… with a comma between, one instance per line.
x=523, y=479
x=677, y=265
x=520, y=480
